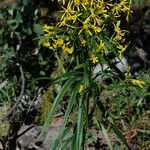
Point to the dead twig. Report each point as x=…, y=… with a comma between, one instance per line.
x=19, y=98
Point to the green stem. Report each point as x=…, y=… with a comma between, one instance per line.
x=60, y=63
x=86, y=84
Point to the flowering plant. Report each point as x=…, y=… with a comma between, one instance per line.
x=88, y=32
x=92, y=29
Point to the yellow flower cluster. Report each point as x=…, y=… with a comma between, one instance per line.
x=57, y=42
x=138, y=82
x=94, y=59
x=83, y=20
x=48, y=30
x=123, y=6
x=81, y=88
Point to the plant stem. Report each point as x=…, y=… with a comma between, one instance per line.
x=60, y=63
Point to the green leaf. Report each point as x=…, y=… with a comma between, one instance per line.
x=59, y=97
x=61, y=77
x=1, y=31
x=106, y=137
x=13, y=23
x=19, y=17
x=5, y=46
x=79, y=128
x=69, y=108
x=65, y=77
x=29, y=31
x=102, y=58
x=25, y=2
x=1, y=16
x=38, y=29
x=108, y=44
x=94, y=44
x=119, y=134
x=58, y=142
x=65, y=144
x=80, y=66
x=73, y=143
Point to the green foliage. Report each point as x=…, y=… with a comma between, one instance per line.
x=129, y=103
x=20, y=22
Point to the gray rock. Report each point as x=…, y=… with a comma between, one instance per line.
x=28, y=137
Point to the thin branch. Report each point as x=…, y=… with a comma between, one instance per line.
x=19, y=98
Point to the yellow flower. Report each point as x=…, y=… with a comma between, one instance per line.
x=92, y=3
x=95, y=17
x=46, y=43
x=67, y=11
x=83, y=42
x=119, y=7
x=129, y=10
x=101, y=45
x=86, y=27
x=138, y=82
x=122, y=49
x=47, y=28
x=96, y=29
x=92, y=13
x=59, y=42
x=77, y=2
x=81, y=88
x=119, y=33
x=94, y=59
x=69, y=50
x=128, y=72
x=99, y=21
x=123, y=6
x=74, y=17
x=102, y=48
x=48, y=34
x=85, y=2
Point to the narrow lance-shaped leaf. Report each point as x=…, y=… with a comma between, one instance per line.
x=60, y=78
x=79, y=136
x=107, y=138
x=69, y=107
x=58, y=141
x=65, y=144
x=56, y=102
x=120, y=135
x=108, y=44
